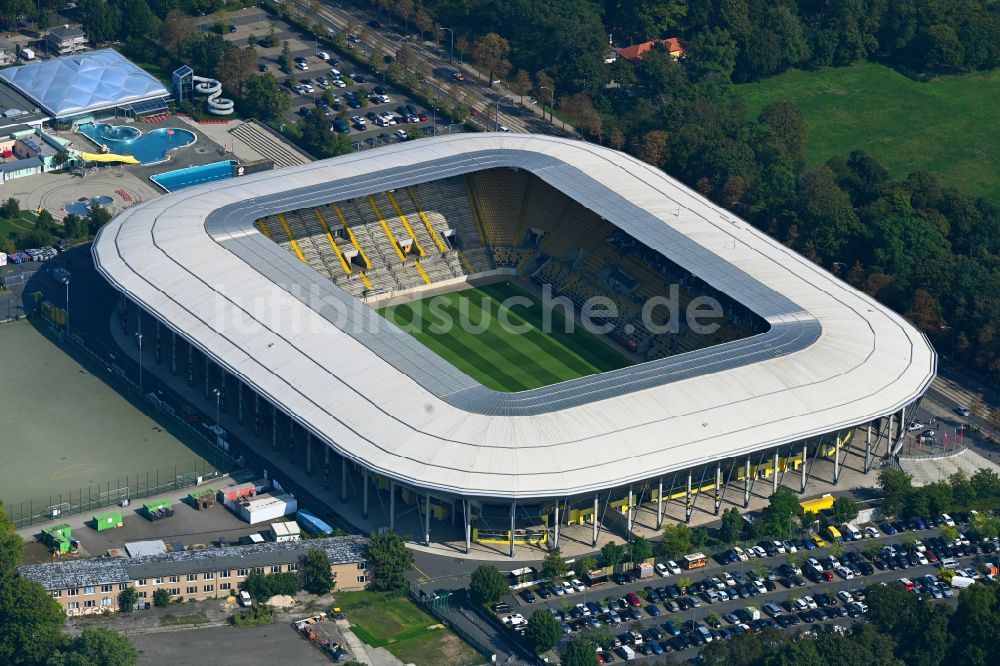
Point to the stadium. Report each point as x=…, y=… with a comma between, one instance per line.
x=312, y=301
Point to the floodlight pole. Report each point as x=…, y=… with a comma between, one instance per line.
x=138, y=337
x=66, y=282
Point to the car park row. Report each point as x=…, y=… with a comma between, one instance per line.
x=843, y=598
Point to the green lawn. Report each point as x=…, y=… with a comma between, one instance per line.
x=400, y=626
x=25, y=221
x=499, y=358
x=947, y=126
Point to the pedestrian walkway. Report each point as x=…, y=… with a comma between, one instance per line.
x=928, y=470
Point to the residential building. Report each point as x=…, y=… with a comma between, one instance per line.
x=89, y=586
x=676, y=47
x=65, y=40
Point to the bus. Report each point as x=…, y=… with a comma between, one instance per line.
x=694, y=561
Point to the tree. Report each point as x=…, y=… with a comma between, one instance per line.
x=11, y=545
x=488, y=585
x=10, y=208
x=235, y=69
x=896, y=487
x=587, y=563
x=521, y=84
x=96, y=646
x=388, y=561
x=732, y=526
x=783, y=506
x=127, y=599
x=490, y=53
x=640, y=550
x=844, y=509
x=30, y=622
x=204, y=51
x=137, y=20
x=554, y=566
x=175, y=30
x=544, y=630
x=73, y=226
x=655, y=148
x=579, y=652
x=98, y=217
x=103, y=21
x=612, y=554
x=161, y=598
x=316, y=574
x=676, y=541
x=264, y=98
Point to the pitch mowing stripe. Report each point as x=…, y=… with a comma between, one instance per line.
x=584, y=343
x=472, y=360
x=493, y=354
x=550, y=355
x=497, y=343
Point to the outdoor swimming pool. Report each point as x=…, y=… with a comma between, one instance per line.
x=82, y=206
x=149, y=148
x=171, y=181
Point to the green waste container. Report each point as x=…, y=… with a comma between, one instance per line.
x=108, y=520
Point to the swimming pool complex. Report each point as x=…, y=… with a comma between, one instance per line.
x=171, y=181
x=149, y=148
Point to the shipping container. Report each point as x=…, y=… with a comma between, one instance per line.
x=108, y=520
x=202, y=499
x=313, y=524
x=232, y=495
x=265, y=508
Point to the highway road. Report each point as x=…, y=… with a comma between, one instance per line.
x=471, y=90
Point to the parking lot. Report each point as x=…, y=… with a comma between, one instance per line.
x=781, y=591
x=319, y=73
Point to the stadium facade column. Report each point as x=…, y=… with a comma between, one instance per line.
x=427, y=520
x=628, y=516
x=173, y=353
x=688, y=507
x=555, y=539
x=208, y=365
x=392, y=505
x=746, y=483
x=593, y=540
x=239, y=398
x=659, y=504
x=274, y=427
x=512, y=514
x=774, y=472
x=343, y=479
x=805, y=459
x=836, y=460
x=309, y=458
x=892, y=428
x=190, y=364
x=467, y=515
x=364, y=497
x=868, y=448
x=291, y=437
x=718, y=486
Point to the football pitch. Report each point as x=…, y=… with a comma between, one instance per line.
x=513, y=357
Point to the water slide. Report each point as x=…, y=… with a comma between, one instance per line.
x=217, y=105
x=109, y=157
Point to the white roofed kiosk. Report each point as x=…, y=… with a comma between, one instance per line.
x=824, y=360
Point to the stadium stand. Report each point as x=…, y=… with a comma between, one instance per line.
x=503, y=218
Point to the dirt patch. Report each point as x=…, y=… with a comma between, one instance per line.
x=281, y=601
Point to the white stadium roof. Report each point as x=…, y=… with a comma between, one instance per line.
x=833, y=357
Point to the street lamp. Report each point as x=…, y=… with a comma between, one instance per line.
x=434, y=121
x=218, y=402
x=552, y=101
x=66, y=282
x=497, y=118
x=451, y=50
x=138, y=337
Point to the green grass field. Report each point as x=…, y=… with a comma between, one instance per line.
x=24, y=222
x=400, y=626
x=947, y=126
x=503, y=359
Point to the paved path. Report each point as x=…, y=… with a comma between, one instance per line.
x=53, y=191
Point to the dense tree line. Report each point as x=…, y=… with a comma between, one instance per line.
x=31, y=621
x=901, y=629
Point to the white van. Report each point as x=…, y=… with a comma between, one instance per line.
x=949, y=563
x=626, y=653
x=245, y=600
x=853, y=531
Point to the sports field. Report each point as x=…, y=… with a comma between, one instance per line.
x=947, y=126
x=505, y=358
x=65, y=431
